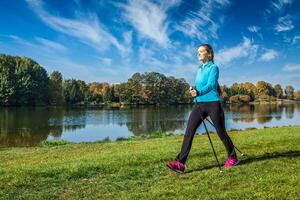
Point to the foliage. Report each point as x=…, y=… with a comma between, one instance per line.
x=55, y=89
x=152, y=88
x=240, y=99
x=264, y=88
x=289, y=92
x=297, y=95
x=278, y=90
x=74, y=91
x=23, y=82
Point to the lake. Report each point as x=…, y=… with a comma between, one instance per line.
x=31, y=126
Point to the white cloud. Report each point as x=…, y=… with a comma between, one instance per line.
x=296, y=39
x=40, y=44
x=22, y=41
x=149, y=19
x=165, y=5
x=291, y=67
x=201, y=23
x=284, y=24
x=51, y=44
x=269, y=54
x=245, y=49
x=147, y=58
x=280, y=5
x=88, y=29
x=127, y=38
x=105, y=61
x=254, y=29
x=183, y=70
x=277, y=7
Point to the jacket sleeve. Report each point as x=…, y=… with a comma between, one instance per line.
x=212, y=81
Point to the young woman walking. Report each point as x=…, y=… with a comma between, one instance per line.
x=206, y=94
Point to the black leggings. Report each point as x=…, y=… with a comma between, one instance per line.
x=201, y=111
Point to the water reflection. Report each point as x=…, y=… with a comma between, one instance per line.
x=261, y=113
x=23, y=127
x=166, y=119
x=31, y=126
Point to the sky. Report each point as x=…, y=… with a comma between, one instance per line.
x=110, y=40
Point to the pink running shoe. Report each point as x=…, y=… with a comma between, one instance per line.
x=231, y=161
x=176, y=166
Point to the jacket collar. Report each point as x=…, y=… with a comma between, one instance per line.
x=209, y=63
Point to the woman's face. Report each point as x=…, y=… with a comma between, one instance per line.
x=202, y=54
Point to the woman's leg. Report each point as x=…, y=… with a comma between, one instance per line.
x=194, y=121
x=216, y=114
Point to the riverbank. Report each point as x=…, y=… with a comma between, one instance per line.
x=135, y=169
x=256, y=102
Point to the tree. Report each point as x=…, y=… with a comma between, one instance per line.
x=96, y=91
x=32, y=82
x=176, y=90
x=7, y=80
x=278, y=91
x=297, y=95
x=135, y=88
x=155, y=87
x=262, y=88
x=109, y=95
x=225, y=91
x=251, y=89
x=289, y=92
x=23, y=82
x=72, y=91
x=55, y=89
x=84, y=94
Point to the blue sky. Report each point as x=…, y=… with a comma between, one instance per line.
x=108, y=41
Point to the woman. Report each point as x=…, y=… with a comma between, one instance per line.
x=206, y=94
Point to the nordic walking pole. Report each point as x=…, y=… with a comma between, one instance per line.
x=232, y=144
x=211, y=144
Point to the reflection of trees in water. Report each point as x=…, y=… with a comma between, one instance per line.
x=31, y=126
x=297, y=106
x=243, y=113
x=263, y=113
x=153, y=119
x=289, y=109
x=69, y=119
x=23, y=126
x=278, y=112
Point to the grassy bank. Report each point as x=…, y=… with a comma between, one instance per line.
x=135, y=169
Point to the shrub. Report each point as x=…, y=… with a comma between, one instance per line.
x=234, y=99
x=244, y=98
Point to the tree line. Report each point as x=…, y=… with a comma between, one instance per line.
x=262, y=91
x=23, y=82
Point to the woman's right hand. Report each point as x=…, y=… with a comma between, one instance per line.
x=193, y=91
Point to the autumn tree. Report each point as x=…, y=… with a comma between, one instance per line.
x=278, y=90
x=289, y=92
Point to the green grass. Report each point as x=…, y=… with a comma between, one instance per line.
x=135, y=169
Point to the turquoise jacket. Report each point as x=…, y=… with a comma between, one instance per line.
x=207, y=83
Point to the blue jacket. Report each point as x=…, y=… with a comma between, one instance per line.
x=207, y=82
